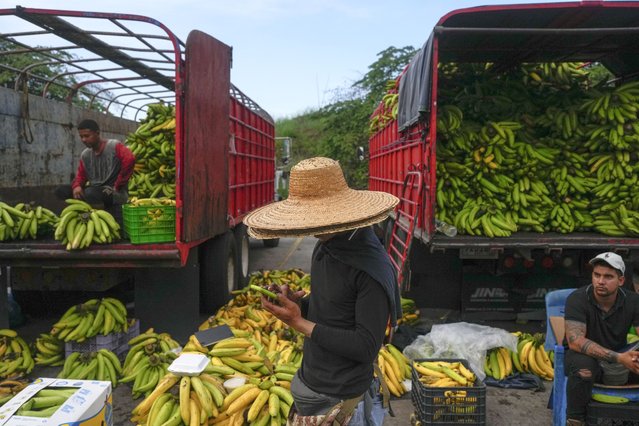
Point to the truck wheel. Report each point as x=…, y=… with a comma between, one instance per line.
x=272, y=242
x=218, y=272
x=243, y=253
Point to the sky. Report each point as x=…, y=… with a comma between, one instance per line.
x=290, y=56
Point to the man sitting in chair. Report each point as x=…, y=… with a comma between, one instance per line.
x=597, y=320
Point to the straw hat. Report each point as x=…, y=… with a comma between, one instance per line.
x=319, y=202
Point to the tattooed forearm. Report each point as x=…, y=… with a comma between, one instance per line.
x=576, y=336
x=575, y=331
x=594, y=350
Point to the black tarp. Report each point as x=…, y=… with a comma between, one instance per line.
x=414, y=87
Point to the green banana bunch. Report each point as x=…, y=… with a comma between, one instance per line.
x=46, y=402
x=81, y=225
x=95, y=316
x=50, y=350
x=388, y=108
x=147, y=361
x=16, y=359
x=153, y=145
x=100, y=365
x=25, y=220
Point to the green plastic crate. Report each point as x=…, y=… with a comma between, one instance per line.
x=149, y=224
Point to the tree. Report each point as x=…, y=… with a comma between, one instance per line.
x=40, y=69
x=391, y=61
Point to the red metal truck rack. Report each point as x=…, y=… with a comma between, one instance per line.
x=224, y=155
x=507, y=35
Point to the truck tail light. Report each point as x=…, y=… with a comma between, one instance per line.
x=509, y=262
x=547, y=262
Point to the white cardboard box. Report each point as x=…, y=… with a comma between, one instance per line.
x=90, y=405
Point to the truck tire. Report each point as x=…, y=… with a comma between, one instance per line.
x=243, y=253
x=218, y=272
x=271, y=242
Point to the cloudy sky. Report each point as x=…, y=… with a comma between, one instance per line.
x=289, y=55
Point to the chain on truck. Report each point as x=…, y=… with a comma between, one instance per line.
x=511, y=138
x=217, y=165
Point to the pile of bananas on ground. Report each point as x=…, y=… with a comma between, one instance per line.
x=395, y=367
x=9, y=389
x=95, y=316
x=153, y=144
x=25, y=220
x=443, y=373
x=15, y=355
x=81, y=225
x=99, y=365
x=410, y=313
x=543, y=148
x=148, y=360
x=202, y=399
x=49, y=350
x=531, y=357
x=45, y=402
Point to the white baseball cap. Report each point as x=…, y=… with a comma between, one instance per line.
x=613, y=259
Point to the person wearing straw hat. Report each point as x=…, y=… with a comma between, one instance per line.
x=597, y=319
x=354, y=292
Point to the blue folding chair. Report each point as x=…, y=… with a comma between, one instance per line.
x=555, y=307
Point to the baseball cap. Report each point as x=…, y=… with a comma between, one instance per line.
x=612, y=259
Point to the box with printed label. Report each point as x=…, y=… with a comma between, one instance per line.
x=91, y=404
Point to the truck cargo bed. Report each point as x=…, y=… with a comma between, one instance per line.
x=50, y=253
x=575, y=240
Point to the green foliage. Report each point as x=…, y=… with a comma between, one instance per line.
x=41, y=68
x=336, y=130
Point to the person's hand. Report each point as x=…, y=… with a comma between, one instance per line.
x=287, y=309
x=78, y=192
x=295, y=296
x=630, y=360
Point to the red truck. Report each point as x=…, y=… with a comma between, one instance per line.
x=224, y=155
x=505, y=276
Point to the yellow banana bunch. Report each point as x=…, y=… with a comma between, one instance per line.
x=162, y=201
x=9, y=389
x=444, y=373
x=499, y=363
x=50, y=350
x=16, y=359
x=395, y=368
x=81, y=225
x=531, y=357
x=45, y=402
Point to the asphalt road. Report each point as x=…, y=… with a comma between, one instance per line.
x=503, y=407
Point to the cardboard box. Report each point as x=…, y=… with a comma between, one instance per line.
x=90, y=405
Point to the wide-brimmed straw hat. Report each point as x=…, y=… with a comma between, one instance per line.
x=319, y=202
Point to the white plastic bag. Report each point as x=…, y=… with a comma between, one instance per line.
x=461, y=340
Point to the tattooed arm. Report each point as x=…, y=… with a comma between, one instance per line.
x=577, y=341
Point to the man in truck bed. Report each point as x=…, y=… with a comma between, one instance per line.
x=103, y=172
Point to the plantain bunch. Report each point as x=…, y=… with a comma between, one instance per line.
x=25, y=220
x=81, y=225
x=15, y=355
x=86, y=320
x=49, y=350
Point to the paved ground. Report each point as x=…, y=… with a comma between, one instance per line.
x=504, y=407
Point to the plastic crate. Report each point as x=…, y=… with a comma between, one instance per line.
x=118, y=343
x=149, y=224
x=600, y=414
x=433, y=407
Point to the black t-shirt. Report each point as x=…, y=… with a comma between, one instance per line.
x=351, y=311
x=608, y=329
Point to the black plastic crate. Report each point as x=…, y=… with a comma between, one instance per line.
x=118, y=343
x=449, y=405
x=600, y=414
